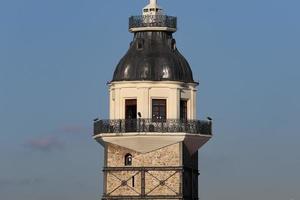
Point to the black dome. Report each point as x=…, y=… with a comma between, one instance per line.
x=153, y=56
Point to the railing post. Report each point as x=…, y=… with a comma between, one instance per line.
x=139, y=125
x=120, y=126
x=143, y=125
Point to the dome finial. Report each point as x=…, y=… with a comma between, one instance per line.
x=153, y=8
x=153, y=2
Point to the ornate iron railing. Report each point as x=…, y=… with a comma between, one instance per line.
x=153, y=125
x=152, y=21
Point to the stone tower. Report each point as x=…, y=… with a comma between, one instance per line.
x=152, y=136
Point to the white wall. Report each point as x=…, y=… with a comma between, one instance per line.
x=145, y=91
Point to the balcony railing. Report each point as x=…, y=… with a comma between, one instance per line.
x=152, y=125
x=153, y=21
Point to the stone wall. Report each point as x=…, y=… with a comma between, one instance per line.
x=167, y=156
x=156, y=182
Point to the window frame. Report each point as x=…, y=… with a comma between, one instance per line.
x=159, y=110
x=183, y=113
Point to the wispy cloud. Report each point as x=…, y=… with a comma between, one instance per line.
x=74, y=129
x=55, y=140
x=45, y=144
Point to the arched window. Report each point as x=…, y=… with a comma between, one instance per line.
x=128, y=159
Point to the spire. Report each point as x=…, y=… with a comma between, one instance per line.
x=153, y=9
x=153, y=2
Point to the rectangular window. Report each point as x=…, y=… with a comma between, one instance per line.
x=130, y=109
x=159, y=109
x=130, y=115
x=133, y=181
x=183, y=110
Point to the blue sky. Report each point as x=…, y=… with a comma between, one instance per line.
x=56, y=57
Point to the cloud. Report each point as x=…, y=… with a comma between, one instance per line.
x=45, y=144
x=74, y=129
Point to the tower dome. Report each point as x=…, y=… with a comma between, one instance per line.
x=152, y=55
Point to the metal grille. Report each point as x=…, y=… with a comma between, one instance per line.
x=153, y=125
x=152, y=21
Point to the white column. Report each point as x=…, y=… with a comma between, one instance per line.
x=118, y=104
x=143, y=102
x=112, y=103
x=173, y=104
x=193, y=104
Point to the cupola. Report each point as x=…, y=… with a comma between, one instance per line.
x=153, y=54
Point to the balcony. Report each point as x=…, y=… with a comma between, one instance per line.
x=152, y=126
x=152, y=22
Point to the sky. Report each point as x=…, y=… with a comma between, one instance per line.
x=57, y=56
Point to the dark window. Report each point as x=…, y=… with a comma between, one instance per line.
x=145, y=10
x=132, y=179
x=130, y=108
x=130, y=115
x=159, y=109
x=183, y=110
x=152, y=9
x=140, y=45
x=173, y=44
x=128, y=159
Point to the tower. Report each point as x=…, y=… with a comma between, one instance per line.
x=152, y=136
